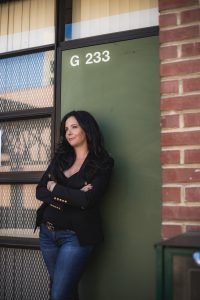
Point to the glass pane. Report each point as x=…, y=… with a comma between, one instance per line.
x=186, y=278
x=18, y=210
x=25, y=145
x=26, y=23
x=23, y=275
x=26, y=82
x=96, y=17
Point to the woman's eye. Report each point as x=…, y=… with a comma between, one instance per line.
x=71, y=127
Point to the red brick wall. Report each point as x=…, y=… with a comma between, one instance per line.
x=180, y=115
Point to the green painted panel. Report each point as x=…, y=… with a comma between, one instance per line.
x=120, y=87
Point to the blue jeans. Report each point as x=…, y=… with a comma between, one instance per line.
x=65, y=260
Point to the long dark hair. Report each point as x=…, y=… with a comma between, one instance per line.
x=65, y=156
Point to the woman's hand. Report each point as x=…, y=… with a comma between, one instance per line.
x=50, y=185
x=86, y=187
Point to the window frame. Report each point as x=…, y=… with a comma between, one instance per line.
x=29, y=114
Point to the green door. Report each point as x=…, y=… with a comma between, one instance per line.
x=119, y=84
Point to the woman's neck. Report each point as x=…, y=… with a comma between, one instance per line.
x=81, y=153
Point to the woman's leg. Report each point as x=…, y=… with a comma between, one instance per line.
x=70, y=264
x=65, y=260
x=49, y=249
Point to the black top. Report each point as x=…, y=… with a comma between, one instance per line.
x=75, y=209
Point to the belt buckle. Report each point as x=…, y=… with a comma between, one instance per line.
x=50, y=226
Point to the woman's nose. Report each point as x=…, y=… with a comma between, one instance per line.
x=69, y=131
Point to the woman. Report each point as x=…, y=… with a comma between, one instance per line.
x=71, y=189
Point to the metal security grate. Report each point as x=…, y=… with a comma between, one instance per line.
x=18, y=210
x=26, y=82
x=23, y=275
x=25, y=145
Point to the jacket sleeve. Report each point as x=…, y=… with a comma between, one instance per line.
x=81, y=199
x=42, y=193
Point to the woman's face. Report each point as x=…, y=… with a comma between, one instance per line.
x=74, y=134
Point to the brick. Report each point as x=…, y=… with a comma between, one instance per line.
x=171, y=194
x=169, y=87
x=180, y=103
x=169, y=4
x=182, y=175
x=192, y=156
x=167, y=20
x=191, y=119
x=180, y=138
x=180, y=68
x=179, y=34
x=191, y=85
x=181, y=213
x=170, y=121
x=190, y=49
x=170, y=157
x=169, y=231
x=168, y=52
x=190, y=16
x=192, y=194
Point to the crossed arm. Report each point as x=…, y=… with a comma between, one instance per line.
x=51, y=192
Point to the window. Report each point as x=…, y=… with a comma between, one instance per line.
x=26, y=109
x=25, y=24
x=96, y=17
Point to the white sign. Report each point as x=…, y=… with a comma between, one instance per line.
x=91, y=58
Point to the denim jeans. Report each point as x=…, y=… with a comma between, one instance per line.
x=65, y=260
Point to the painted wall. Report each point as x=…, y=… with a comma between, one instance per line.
x=119, y=84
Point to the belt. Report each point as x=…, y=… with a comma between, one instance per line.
x=50, y=226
